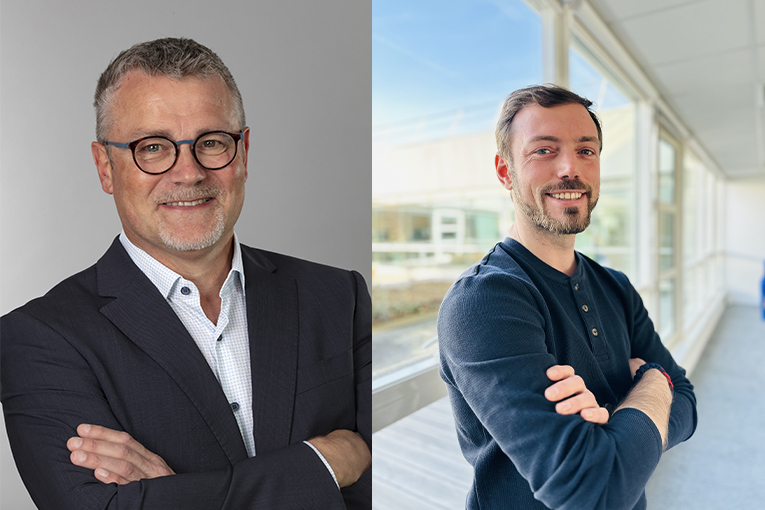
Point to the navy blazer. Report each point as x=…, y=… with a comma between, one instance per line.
x=104, y=347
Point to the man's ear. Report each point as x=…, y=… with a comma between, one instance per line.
x=503, y=172
x=246, y=152
x=103, y=166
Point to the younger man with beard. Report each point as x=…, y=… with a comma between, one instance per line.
x=534, y=311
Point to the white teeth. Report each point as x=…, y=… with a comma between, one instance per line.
x=187, y=204
x=566, y=196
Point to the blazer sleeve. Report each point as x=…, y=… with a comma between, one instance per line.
x=359, y=495
x=494, y=355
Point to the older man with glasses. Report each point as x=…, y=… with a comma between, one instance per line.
x=183, y=369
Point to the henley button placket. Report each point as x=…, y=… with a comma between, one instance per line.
x=591, y=322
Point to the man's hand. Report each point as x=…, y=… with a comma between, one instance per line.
x=572, y=395
x=114, y=456
x=635, y=364
x=347, y=453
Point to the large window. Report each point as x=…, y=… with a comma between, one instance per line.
x=701, y=275
x=440, y=71
x=668, y=163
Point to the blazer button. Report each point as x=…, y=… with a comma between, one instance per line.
x=234, y=406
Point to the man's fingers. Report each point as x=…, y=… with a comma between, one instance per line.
x=106, y=469
x=597, y=415
x=576, y=403
x=635, y=364
x=117, y=437
x=107, y=449
x=572, y=395
x=121, y=458
x=558, y=372
x=569, y=386
x=104, y=476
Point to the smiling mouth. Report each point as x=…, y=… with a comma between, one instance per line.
x=567, y=195
x=188, y=204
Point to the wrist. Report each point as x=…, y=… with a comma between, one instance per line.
x=652, y=366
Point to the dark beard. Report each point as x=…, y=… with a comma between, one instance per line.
x=572, y=223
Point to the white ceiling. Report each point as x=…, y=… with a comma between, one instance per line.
x=707, y=59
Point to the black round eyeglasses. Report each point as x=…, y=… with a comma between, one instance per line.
x=157, y=154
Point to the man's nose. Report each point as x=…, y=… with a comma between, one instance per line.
x=186, y=169
x=568, y=166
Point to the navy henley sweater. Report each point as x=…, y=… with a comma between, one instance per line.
x=503, y=323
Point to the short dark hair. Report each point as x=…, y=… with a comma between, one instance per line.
x=175, y=58
x=547, y=96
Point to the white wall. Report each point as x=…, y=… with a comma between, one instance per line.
x=304, y=70
x=744, y=239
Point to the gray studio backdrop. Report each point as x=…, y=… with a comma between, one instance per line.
x=304, y=70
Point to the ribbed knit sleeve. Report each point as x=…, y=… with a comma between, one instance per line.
x=497, y=340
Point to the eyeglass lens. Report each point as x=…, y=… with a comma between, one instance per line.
x=157, y=155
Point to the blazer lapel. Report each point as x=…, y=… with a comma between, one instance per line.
x=272, y=320
x=143, y=315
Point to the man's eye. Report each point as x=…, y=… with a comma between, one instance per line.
x=209, y=144
x=152, y=147
x=587, y=152
x=542, y=151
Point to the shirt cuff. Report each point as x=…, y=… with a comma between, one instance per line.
x=325, y=462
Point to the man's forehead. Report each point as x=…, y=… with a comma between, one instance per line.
x=570, y=119
x=140, y=78
x=142, y=97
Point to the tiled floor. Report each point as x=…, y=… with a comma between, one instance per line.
x=418, y=464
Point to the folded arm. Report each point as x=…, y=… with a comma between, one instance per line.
x=115, y=457
x=651, y=395
x=54, y=390
x=51, y=384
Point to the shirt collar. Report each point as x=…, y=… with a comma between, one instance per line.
x=165, y=278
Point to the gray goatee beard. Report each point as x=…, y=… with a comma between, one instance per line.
x=200, y=240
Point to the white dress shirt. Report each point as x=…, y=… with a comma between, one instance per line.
x=225, y=345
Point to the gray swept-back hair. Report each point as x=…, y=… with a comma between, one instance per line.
x=547, y=96
x=175, y=58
